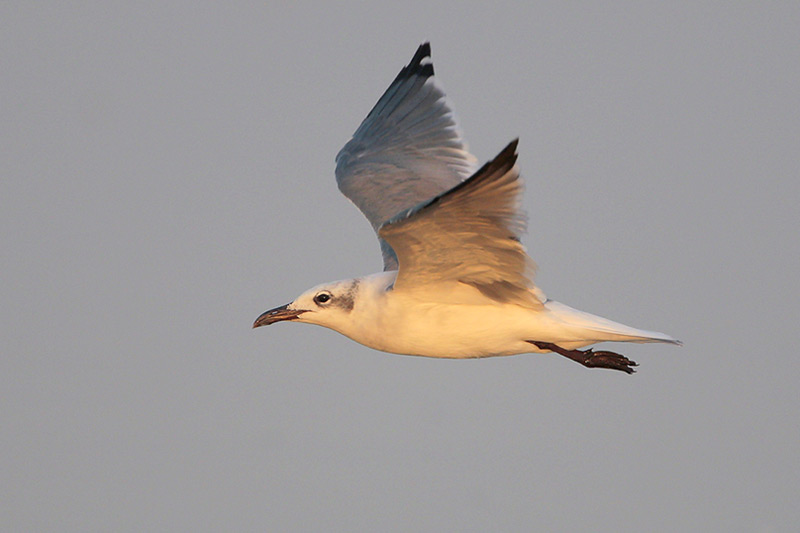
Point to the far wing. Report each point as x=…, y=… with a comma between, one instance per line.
x=406, y=151
x=469, y=234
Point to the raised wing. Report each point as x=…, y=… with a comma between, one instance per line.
x=469, y=234
x=406, y=151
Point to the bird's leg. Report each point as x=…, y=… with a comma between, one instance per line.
x=591, y=359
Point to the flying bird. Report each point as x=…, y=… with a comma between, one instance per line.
x=457, y=282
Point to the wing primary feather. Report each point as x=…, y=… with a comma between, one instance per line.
x=407, y=150
x=414, y=68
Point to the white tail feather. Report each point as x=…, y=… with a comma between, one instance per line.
x=601, y=329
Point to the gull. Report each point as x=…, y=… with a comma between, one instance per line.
x=457, y=282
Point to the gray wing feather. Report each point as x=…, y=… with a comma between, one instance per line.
x=469, y=234
x=408, y=149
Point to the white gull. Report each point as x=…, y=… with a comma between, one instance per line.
x=457, y=282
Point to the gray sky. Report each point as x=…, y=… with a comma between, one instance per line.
x=167, y=175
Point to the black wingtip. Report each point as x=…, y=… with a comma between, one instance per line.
x=510, y=149
x=415, y=66
x=423, y=51
x=507, y=157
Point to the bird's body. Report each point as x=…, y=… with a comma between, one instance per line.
x=458, y=322
x=457, y=282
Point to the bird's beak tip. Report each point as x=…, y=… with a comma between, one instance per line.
x=277, y=315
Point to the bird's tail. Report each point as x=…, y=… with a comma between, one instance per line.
x=597, y=328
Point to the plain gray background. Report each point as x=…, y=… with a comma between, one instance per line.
x=167, y=175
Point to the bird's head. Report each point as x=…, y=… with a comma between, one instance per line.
x=329, y=305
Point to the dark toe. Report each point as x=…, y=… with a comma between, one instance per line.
x=611, y=360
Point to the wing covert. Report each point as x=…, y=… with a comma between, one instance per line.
x=468, y=234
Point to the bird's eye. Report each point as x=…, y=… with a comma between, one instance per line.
x=323, y=297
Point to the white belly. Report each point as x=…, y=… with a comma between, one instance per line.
x=459, y=331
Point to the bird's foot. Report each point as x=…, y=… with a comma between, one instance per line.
x=606, y=359
x=591, y=359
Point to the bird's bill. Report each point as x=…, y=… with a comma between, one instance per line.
x=277, y=315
